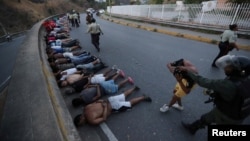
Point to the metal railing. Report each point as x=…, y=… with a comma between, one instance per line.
x=211, y=14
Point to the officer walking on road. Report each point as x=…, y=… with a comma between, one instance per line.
x=227, y=109
x=227, y=42
x=95, y=30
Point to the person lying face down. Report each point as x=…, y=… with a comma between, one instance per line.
x=98, y=112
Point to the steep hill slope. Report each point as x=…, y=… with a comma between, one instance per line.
x=18, y=16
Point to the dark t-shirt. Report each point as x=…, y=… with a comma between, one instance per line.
x=89, y=93
x=78, y=85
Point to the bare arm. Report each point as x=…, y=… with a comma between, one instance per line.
x=100, y=30
x=234, y=45
x=98, y=95
x=170, y=68
x=183, y=87
x=97, y=121
x=102, y=117
x=105, y=110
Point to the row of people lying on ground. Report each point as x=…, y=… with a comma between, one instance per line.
x=57, y=25
x=75, y=68
x=91, y=87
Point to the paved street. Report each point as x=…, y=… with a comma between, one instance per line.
x=143, y=56
x=8, y=52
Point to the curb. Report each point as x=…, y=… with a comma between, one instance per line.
x=65, y=122
x=187, y=36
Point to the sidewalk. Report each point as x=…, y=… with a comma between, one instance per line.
x=179, y=32
x=32, y=108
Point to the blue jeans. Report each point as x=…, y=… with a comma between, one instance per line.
x=80, y=59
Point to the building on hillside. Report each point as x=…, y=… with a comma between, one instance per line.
x=221, y=3
x=170, y=1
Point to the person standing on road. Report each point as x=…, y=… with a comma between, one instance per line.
x=95, y=30
x=89, y=18
x=227, y=42
x=184, y=83
x=8, y=37
x=76, y=19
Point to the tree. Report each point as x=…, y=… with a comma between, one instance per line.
x=193, y=1
x=156, y=1
x=238, y=1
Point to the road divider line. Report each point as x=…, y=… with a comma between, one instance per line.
x=108, y=132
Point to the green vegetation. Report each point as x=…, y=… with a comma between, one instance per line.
x=18, y=16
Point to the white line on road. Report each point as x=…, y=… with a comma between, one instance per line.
x=5, y=81
x=108, y=132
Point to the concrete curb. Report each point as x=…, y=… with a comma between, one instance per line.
x=64, y=118
x=187, y=36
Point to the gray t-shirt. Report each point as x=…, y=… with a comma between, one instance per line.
x=89, y=93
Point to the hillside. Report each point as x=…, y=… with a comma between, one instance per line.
x=18, y=16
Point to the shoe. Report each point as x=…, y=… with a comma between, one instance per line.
x=137, y=88
x=69, y=91
x=147, y=98
x=114, y=67
x=98, y=60
x=214, y=66
x=189, y=128
x=164, y=108
x=104, y=65
x=79, y=67
x=177, y=106
x=98, y=49
x=130, y=80
x=121, y=73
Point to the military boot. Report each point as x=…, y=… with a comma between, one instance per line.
x=193, y=127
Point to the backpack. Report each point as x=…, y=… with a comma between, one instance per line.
x=244, y=95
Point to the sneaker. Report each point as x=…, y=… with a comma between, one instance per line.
x=177, y=106
x=130, y=80
x=137, y=88
x=189, y=128
x=114, y=67
x=98, y=60
x=214, y=66
x=164, y=108
x=147, y=98
x=104, y=65
x=79, y=66
x=69, y=91
x=121, y=73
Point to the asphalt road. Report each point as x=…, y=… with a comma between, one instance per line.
x=143, y=56
x=8, y=52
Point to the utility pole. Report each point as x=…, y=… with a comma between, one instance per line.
x=109, y=8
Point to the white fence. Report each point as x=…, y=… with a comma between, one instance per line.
x=220, y=15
